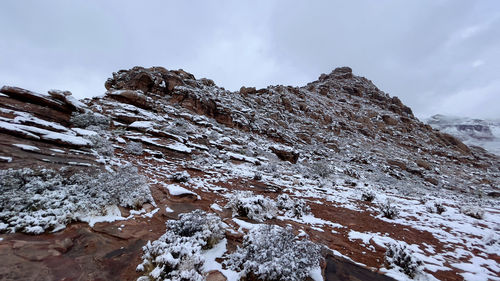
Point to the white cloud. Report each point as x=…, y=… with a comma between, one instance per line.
x=477, y=63
x=482, y=101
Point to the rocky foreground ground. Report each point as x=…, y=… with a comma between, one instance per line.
x=361, y=188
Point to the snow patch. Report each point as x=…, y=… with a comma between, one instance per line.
x=112, y=213
x=177, y=190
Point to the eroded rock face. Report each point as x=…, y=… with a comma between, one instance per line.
x=134, y=97
x=248, y=90
x=285, y=154
x=156, y=80
x=58, y=103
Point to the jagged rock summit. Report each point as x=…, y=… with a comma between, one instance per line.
x=336, y=166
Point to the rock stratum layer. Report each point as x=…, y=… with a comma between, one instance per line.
x=364, y=174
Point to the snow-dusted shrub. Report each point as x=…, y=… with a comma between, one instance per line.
x=124, y=187
x=257, y=176
x=134, y=148
x=491, y=239
x=180, y=127
x=101, y=145
x=205, y=159
x=473, y=211
x=368, y=195
x=176, y=255
x=292, y=207
x=351, y=173
x=270, y=168
x=34, y=201
x=388, y=209
x=180, y=176
x=224, y=157
x=270, y=252
x=400, y=256
x=213, y=151
x=321, y=168
x=255, y=207
x=435, y=207
x=87, y=119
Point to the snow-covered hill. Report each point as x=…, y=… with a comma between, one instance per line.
x=171, y=177
x=477, y=132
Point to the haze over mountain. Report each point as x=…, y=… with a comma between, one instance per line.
x=483, y=133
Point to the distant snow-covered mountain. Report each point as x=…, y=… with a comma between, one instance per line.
x=478, y=132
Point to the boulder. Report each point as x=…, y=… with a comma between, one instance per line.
x=423, y=164
x=215, y=275
x=136, y=97
x=285, y=154
x=67, y=98
x=452, y=141
x=344, y=72
x=389, y=120
x=248, y=90
x=155, y=80
x=431, y=180
x=397, y=163
x=35, y=98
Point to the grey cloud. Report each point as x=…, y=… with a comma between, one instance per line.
x=437, y=56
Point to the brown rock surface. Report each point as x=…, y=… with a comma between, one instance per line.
x=285, y=154
x=216, y=276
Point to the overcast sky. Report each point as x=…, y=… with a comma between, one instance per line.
x=438, y=56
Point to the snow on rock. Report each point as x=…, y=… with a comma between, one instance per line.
x=5, y=159
x=41, y=99
x=211, y=264
x=316, y=273
x=38, y=133
x=66, y=139
x=76, y=103
x=245, y=225
x=314, y=221
x=17, y=130
x=84, y=132
x=177, y=190
x=179, y=147
x=239, y=157
x=26, y=147
x=111, y=213
x=26, y=118
x=142, y=125
x=216, y=207
x=150, y=214
x=84, y=164
x=479, y=269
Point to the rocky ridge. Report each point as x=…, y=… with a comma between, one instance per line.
x=332, y=143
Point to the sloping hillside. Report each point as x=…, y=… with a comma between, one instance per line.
x=337, y=162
